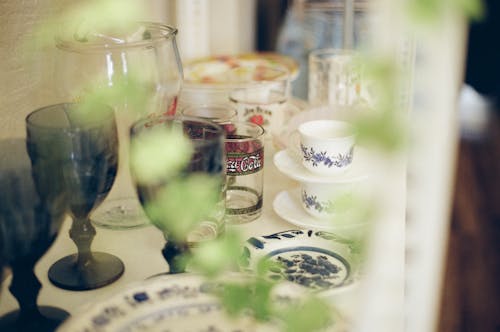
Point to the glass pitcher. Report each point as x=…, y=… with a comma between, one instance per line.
x=315, y=24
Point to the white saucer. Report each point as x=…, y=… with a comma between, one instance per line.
x=291, y=165
x=287, y=205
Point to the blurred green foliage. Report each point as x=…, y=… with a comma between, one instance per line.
x=80, y=18
x=429, y=11
x=158, y=154
x=169, y=211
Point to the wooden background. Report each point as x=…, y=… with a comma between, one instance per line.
x=471, y=289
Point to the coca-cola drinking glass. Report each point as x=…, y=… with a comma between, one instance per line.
x=244, y=146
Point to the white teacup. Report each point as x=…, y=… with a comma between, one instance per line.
x=325, y=200
x=326, y=146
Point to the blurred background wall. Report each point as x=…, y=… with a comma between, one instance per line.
x=22, y=80
x=205, y=27
x=26, y=79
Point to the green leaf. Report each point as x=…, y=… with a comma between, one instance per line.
x=427, y=11
x=212, y=258
x=262, y=302
x=383, y=130
x=313, y=314
x=78, y=20
x=234, y=298
x=159, y=154
x=474, y=9
x=266, y=266
x=250, y=295
x=169, y=211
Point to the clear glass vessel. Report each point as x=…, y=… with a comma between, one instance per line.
x=136, y=70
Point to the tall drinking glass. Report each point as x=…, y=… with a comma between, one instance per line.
x=31, y=214
x=334, y=78
x=77, y=146
x=136, y=70
x=179, y=167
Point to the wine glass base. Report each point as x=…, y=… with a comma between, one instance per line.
x=102, y=270
x=50, y=319
x=120, y=214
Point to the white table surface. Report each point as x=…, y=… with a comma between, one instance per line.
x=140, y=250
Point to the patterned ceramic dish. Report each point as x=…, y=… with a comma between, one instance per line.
x=319, y=260
x=212, y=69
x=206, y=80
x=174, y=303
x=287, y=205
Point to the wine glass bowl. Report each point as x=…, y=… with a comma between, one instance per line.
x=178, y=164
x=29, y=223
x=137, y=71
x=77, y=145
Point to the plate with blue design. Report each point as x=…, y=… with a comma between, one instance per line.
x=289, y=163
x=182, y=302
x=320, y=261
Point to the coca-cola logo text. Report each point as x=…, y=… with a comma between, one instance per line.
x=241, y=164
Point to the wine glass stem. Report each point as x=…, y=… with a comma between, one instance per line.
x=174, y=253
x=25, y=288
x=82, y=233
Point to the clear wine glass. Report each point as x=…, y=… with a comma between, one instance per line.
x=178, y=164
x=78, y=145
x=30, y=218
x=137, y=70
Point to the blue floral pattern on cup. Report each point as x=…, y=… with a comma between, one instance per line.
x=312, y=202
x=317, y=158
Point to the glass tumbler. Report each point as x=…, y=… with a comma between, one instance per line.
x=244, y=172
x=223, y=115
x=260, y=96
x=334, y=77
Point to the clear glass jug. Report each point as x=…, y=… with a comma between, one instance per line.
x=315, y=24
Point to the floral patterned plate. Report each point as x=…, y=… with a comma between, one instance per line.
x=290, y=164
x=319, y=260
x=213, y=69
x=173, y=303
x=287, y=205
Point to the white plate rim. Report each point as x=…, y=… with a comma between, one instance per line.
x=290, y=165
x=143, y=300
x=302, y=218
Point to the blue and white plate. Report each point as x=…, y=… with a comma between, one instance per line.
x=175, y=303
x=321, y=261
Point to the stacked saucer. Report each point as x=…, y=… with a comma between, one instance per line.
x=332, y=172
